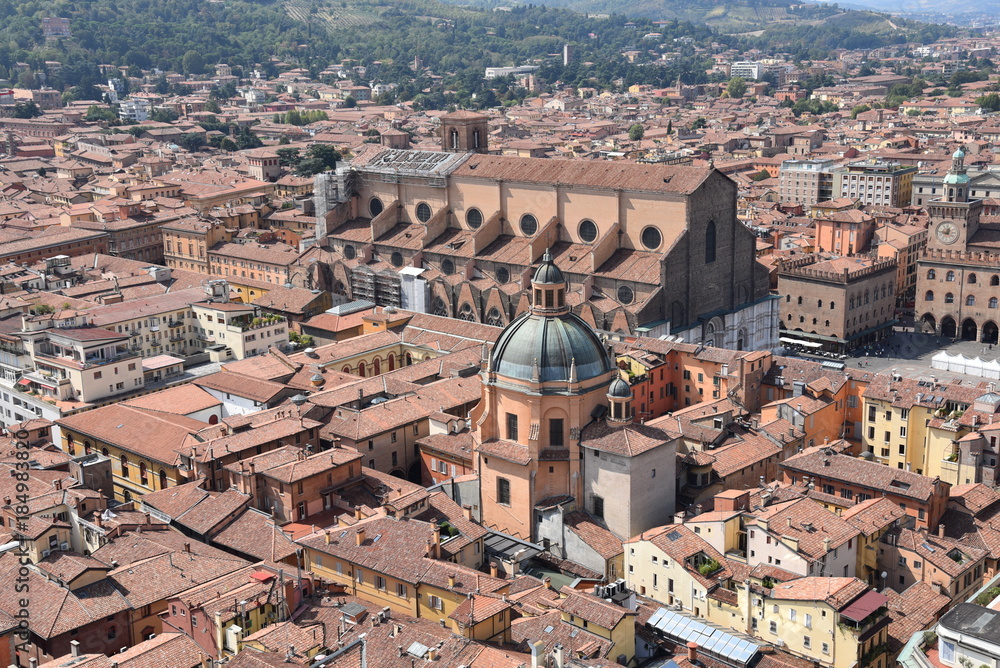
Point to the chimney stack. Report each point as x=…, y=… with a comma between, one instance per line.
x=692, y=648
x=467, y=511
x=826, y=544
x=941, y=531
x=357, y=513
x=451, y=581
x=74, y=647
x=98, y=521
x=326, y=537
x=494, y=571
x=437, y=542
x=548, y=582
x=187, y=547
x=360, y=536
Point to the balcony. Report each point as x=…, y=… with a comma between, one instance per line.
x=175, y=323
x=247, y=324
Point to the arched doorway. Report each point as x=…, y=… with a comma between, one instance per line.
x=928, y=324
x=990, y=332
x=948, y=327
x=969, y=330
x=413, y=474
x=398, y=473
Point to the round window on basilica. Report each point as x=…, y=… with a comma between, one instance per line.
x=397, y=259
x=625, y=294
x=474, y=218
x=651, y=238
x=448, y=267
x=503, y=275
x=588, y=231
x=529, y=225
x=375, y=206
x=349, y=252
x=423, y=212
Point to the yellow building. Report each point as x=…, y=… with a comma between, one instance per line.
x=607, y=620
x=396, y=564
x=674, y=566
x=835, y=622
x=897, y=412
x=872, y=518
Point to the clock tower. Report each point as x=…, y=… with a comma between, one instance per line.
x=955, y=216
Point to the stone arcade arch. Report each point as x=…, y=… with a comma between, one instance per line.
x=990, y=332
x=948, y=327
x=969, y=330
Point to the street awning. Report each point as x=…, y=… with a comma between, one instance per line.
x=24, y=381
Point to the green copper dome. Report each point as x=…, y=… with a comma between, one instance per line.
x=556, y=344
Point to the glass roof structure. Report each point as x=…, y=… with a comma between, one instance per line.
x=725, y=645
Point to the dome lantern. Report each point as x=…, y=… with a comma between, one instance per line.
x=620, y=399
x=548, y=287
x=549, y=343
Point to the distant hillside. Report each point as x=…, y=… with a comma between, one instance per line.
x=743, y=16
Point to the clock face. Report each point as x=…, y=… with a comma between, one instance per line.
x=947, y=233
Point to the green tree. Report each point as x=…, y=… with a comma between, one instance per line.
x=636, y=132
x=860, y=109
x=288, y=157
x=350, y=102
x=163, y=115
x=26, y=109
x=228, y=144
x=193, y=63
x=990, y=102
x=192, y=141
x=95, y=113
x=27, y=80
x=761, y=175
x=213, y=106
x=699, y=123
x=737, y=87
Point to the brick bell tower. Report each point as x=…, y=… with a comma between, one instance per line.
x=464, y=132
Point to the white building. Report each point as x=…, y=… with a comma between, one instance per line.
x=134, y=110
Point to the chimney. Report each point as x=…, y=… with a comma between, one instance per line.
x=74, y=647
x=494, y=571
x=187, y=547
x=538, y=654
x=451, y=581
x=357, y=513
x=548, y=582
x=432, y=653
x=326, y=537
x=360, y=536
x=692, y=651
x=437, y=542
x=146, y=515
x=33, y=663
x=399, y=650
x=789, y=521
x=98, y=521
x=558, y=656
x=679, y=518
x=941, y=531
x=467, y=511
x=826, y=544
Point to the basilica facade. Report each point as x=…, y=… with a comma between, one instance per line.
x=650, y=250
